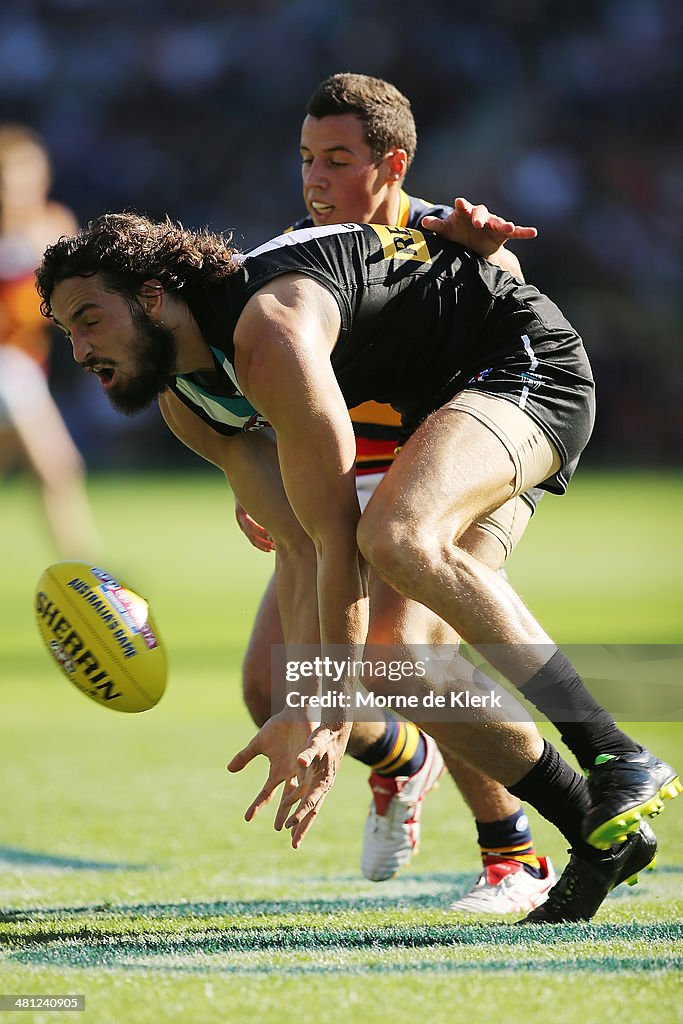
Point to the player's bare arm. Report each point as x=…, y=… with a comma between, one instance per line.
x=283, y=343
x=250, y=464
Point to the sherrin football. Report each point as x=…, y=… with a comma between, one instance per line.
x=102, y=636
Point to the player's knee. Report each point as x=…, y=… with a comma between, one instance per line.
x=396, y=550
x=409, y=558
x=382, y=540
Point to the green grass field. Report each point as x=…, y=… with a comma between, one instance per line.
x=129, y=875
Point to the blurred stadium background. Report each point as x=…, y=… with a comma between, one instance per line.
x=564, y=116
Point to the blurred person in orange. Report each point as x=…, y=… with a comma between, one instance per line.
x=32, y=431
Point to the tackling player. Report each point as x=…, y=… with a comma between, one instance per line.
x=358, y=140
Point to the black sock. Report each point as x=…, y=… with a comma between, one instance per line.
x=560, y=794
x=585, y=727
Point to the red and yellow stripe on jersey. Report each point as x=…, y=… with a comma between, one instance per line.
x=376, y=428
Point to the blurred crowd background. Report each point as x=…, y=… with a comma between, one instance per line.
x=566, y=116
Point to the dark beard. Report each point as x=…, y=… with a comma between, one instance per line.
x=156, y=361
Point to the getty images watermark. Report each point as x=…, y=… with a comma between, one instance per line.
x=460, y=684
x=333, y=672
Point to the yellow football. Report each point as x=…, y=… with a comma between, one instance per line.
x=102, y=636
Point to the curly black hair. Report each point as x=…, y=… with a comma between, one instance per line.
x=128, y=249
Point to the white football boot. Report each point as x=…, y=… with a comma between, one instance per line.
x=507, y=888
x=392, y=829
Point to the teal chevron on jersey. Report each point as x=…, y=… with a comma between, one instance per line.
x=223, y=406
x=234, y=412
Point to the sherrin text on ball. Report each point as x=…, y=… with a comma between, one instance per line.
x=101, y=635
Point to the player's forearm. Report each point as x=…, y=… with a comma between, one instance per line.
x=342, y=598
x=343, y=609
x=296, y=584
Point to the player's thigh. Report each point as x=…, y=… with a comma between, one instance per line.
x=457, y=468
x=493, y=537
x=450, y=472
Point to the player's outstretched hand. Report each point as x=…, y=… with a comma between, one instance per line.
x=477, y=228
x=280, y=740
x=318, y=765
x=253, y=531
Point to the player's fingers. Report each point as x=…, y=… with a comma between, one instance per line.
x=312, y=795
x=264, y=797
x=480, y=216
x=259, y=531
x=245, y=755
x=256, y=534
x=496, y=223
x=258, y=537
x=314, y=754
x=509, y=228
x=291, y=793
x=524, y=232
x=476, y=213
x=308, y=755
x=300, y=831
x=434, y=224
x=263, y=543
x=241, y=517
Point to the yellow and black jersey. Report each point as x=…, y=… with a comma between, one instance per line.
x=376, y=426
x=421, y=320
